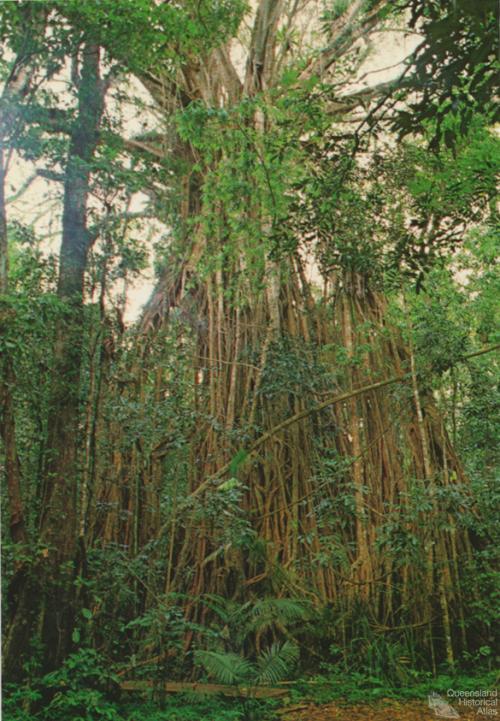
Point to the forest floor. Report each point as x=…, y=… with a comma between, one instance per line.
x=389, y=710
x=340, y=697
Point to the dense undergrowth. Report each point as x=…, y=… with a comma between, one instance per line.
x=85, y=690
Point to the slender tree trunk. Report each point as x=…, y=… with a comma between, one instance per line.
x=19, y=608
x=16, y=88
x=363, y=556
x=4, y=260
x=7, y=418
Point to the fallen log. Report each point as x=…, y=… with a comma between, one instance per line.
x=204, y=688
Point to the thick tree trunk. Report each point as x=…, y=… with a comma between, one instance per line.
x=17, y=86
x=45, y=595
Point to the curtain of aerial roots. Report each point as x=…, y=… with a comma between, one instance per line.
x=322, y=528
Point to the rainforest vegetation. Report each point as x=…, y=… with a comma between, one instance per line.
x=275, y=482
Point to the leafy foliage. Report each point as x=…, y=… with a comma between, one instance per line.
x=77, y=691
x=456, y=66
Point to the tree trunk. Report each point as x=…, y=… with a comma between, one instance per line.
x=46, y=594
x=7, y=419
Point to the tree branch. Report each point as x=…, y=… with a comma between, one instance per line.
x=346, y=31
x=130, y=143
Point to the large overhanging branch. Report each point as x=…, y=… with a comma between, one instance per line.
x=212, y=481
x=295, y=419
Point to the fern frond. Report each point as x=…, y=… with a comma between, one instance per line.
x=271, y=611
x=218, y=604
x=276, y=662
x=228, y=611
x=226, y=668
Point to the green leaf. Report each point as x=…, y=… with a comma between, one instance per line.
x=237, y=460
x=230, y=484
